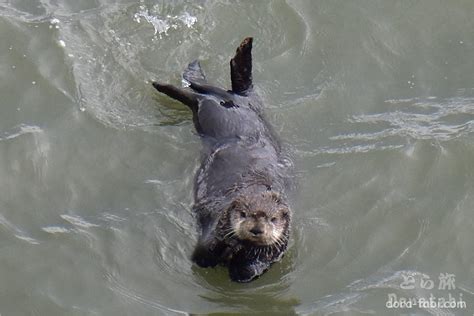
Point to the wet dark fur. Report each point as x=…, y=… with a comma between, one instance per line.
x=241, y=158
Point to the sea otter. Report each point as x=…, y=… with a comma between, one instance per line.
x=239, y=189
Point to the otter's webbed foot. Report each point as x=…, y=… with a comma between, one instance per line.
x=246, y=271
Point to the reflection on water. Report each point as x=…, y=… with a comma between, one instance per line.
x=373, y=101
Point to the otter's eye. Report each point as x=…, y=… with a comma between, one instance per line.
x=242, y=214
x=274, y=220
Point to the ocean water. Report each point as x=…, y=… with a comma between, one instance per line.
x=373, y=99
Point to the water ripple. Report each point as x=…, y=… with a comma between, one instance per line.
x=419, y=119
x=38, y=155
x=16, y=231
x=116, y=286
x=349, y=149
x=20, y=130
x=78, y=221
x=55, y=229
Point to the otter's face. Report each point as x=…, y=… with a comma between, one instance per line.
x=261, y=219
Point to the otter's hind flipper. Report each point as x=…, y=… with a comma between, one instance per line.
x=241, y=67
x=184, y=96
x=197, y=81
x=194, y=73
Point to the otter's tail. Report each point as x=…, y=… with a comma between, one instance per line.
x=241, y=68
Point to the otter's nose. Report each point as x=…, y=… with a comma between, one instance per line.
x=256, y=231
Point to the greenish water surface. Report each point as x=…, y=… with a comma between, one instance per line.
x=374, y=100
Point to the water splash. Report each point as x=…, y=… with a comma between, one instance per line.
x=163, y=24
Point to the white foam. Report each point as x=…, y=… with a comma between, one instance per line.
x=163, y=24
x=187, y=19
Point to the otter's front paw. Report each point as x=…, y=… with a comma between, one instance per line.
x=246, y=272
x=204, y=258
x=242, y=274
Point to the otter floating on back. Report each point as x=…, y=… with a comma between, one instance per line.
x=239, y=194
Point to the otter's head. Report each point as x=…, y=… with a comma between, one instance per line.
x=261, y=219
